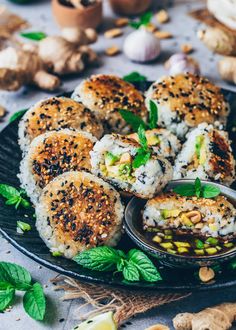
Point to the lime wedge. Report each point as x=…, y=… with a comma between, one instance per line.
x=100, y=322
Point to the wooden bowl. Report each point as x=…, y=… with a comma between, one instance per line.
x=86, y=17
x=130, y=7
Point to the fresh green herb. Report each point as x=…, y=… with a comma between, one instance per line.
x=199, y=244
x=134, y=77
x=131, y=119
x=143, y=154
x=14, y=277
x=144, y=20
x=13, y=196
x=56, y=254
x=197, y=189
x=17, y=115
x=34, y=302
x=153, y=115
x=134, y=266
x=24, y=226
x=135, y=121
x=37, y=36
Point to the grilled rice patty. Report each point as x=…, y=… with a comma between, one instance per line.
x=144, y=181
x=162, y=141
x=78, y=211
x=105, y=95
x=52, y=154
x=218, y=215
x=54, y=114
x=188, y=99
x=219, y=164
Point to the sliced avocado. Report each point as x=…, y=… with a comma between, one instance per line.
x=110, y=159
x=169, y=213
x=200, y=149
x=153, y=140
x=125, y=169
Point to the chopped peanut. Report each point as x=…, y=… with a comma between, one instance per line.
x=194, y=216
x=206, y=274
x=112, y=51
x=125, y=158
x=122, y=21
x=2, y=111
x=113, y=33
x=162, y=16
x=158, y=327
x=151, y=27
x=186, y=48
x=163, y=34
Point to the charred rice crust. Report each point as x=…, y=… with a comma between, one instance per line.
x=57, y=113
x=58, y=153
x=81, y=210
x=194, y=98
x=107, y=94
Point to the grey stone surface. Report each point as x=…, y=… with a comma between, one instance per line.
x=184, y=29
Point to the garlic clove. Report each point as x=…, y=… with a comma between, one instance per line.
x=182, y=63
x=141, y=46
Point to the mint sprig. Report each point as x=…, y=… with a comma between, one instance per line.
x=143, y=153
x=143, y=21
x=24, y=226
x=135, y=121
x=36, y=36
x=14, y=196
x=17, y=115
x=14, y=277
x=134, y=76
x=134, y=266
x=197, y=189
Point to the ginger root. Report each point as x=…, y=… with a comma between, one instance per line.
x=219, y=317
x=219, y=41
x=19, y=67
x=31, y=64
x=227, y=69
x=68, y=53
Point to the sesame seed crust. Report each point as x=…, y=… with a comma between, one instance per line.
x=82, y=211
x=194, y=98
x=106, y=95
x=57, y=113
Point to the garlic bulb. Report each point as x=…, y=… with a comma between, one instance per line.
x=141, y=46
x=181, y=63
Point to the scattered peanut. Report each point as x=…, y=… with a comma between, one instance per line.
x=151, y=27
x=206, y=274
x=186, y=48
x=163, y=34
x=162, y=16
x=122, y=21
x=2, y=111
x=158, y=327
x=112, y=51
x=194, y=216
x=113, y=33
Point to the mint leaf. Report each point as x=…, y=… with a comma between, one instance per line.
x=144, y=20
x=141, y=158
x=130, y=272
x=198, y=187
x=37, y=36
x=5, y=285
x=34, y=302
x=153, y=115
x=24, y=226
x=146, y=268
x=142, y=138
x=134, y=77
x=8, y=191
x=16, y=275
x=6, y=297
x=209, y=191
x=134, y=121
x=102, y=258
x=17, y=115
x=185, y=190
